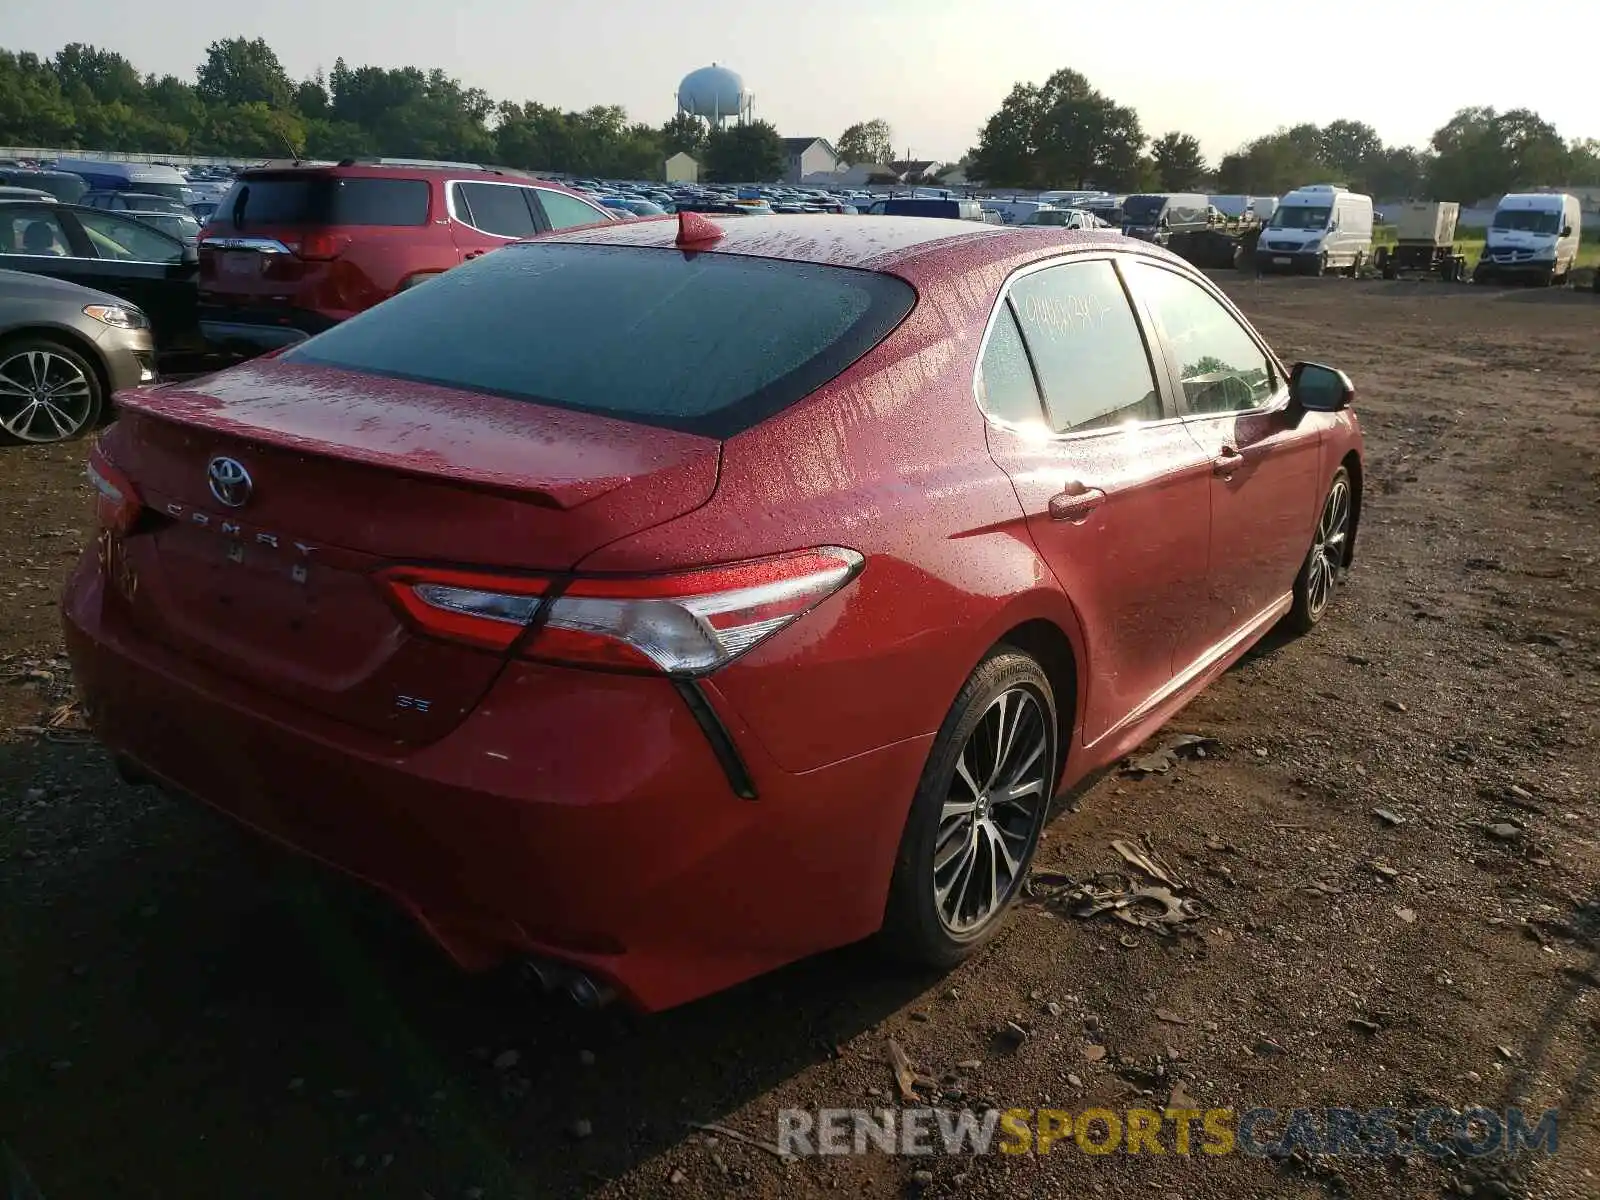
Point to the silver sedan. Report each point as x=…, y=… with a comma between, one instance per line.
x=64, y=349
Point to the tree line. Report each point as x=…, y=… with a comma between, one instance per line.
x=243, y=104
x=1065, y=133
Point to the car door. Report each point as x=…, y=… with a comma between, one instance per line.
x=1264, y=456
x=1115, y=490
x=145, y=266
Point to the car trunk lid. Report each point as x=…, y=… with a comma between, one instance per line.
x=276, y=491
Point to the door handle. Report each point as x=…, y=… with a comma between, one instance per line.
x=1075, y=502
x=1227, y=461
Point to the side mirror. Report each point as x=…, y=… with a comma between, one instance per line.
x=1316, y=388
x=1566, y=231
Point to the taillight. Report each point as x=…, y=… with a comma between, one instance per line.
x=483, y=610
x=686, y=623
x=116, y=504
x=322, y=246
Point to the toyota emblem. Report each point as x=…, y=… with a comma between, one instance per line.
x=230, y=482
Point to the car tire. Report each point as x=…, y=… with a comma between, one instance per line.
x=1320, y=267
x=77, y=395
x=1327, y=559
x=940, y=909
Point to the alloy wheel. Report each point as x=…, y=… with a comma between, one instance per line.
x=44, y=397
x=1328, y=551
x=992, y=811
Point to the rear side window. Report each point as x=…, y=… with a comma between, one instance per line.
x=704, y=343
x=323, y=200
x=498, y=208
x=1006, y=387
x=564, y=211
x=1086, y=345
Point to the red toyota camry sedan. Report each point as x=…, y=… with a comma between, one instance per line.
x=667, y=601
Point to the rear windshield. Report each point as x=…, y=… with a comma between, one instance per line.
x=64, y=187
x=703, y=343
x=921, y=208
x=179, y=225
x=172, y=191
x=1143, y=210
x=323, y=200
x=147, y=202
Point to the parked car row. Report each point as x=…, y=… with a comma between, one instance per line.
x=289, y=250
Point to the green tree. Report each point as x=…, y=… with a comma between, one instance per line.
x=1399, y=172
x=33, y=110
x=1274, y=164
x=1585, y=163
x=1177, y=161
x=1349, y=149
x=751, y=153
x=311, y=98
x=243, y=71
x=1480, y=153
x=88, y=74
x=1006, y=153
x=867, y=142
x=1064, y=133
x=684, y=134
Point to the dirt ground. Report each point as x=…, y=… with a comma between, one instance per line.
x=180, y=1016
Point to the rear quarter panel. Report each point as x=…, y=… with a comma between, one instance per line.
x=890, y=459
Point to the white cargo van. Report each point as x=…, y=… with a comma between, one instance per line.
x=1533, y=235
x=1320, y=228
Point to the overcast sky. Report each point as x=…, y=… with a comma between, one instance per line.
x=934, y=69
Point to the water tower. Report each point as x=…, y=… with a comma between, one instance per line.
x=715, y=94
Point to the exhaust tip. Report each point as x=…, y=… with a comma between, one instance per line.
x=588, y=994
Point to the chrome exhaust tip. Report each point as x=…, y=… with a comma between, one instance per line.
x=547, y=975
x=587, y=994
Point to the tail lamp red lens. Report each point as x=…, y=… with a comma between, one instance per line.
x=684, y=623
x=488, y=611
x=116, y=503
x=321, y=246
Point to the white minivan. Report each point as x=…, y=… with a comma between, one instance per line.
x=1316, y=229
x=1534, y=235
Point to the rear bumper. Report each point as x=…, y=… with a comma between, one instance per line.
x=255, y=331
x=573, y=815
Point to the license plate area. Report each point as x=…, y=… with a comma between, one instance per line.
x=238, y=263
x=1282, y=260
x=274, y=609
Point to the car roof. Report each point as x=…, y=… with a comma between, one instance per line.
x=906, y=246
x=348, y=169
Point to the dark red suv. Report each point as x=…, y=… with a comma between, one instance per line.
x=293, y=250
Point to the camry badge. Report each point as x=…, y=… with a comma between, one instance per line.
x=230, y=482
